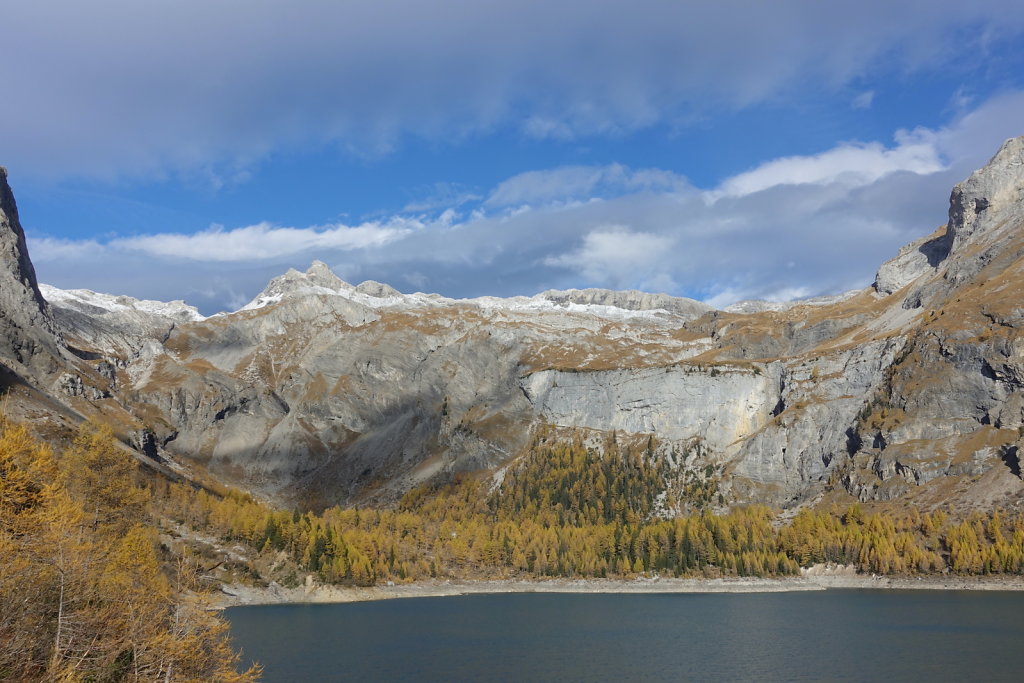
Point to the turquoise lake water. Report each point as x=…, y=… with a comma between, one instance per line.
x=842, y=635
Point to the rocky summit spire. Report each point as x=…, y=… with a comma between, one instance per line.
x=12, y=241
x=26, y=328
x=985, y=210
x=991, y=196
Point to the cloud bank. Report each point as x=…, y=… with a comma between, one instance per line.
x=797, y=226
x=117, y=88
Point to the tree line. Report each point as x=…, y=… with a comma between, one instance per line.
x=566, y=510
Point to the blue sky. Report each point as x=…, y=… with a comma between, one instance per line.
x=721, y=150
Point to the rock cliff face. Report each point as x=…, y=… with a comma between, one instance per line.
x=27, y=341
x=321, y=392
x=719, y=406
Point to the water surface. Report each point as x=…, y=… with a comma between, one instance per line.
x=856, y=635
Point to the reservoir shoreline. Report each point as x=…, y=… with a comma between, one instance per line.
x=236, y=595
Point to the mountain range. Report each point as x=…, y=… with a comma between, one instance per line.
x=319, y=392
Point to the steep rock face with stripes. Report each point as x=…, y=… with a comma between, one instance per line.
x=321, y=392
x=28, y=343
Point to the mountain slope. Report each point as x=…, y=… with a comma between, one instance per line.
x=321, y=392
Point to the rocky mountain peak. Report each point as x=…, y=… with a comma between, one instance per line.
x=377, y=289
x=990, y=195
x=320, y=274
x=15, y=257
x=913, y=260
x=26, y=329
x=318, y=279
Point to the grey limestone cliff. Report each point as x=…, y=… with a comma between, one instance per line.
x=719, y=405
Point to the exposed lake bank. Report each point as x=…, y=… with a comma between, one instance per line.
x=238, y=595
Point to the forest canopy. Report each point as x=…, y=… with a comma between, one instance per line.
x=84, y=592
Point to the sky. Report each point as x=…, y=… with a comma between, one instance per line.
x=720, y=150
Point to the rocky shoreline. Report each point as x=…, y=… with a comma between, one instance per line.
x=238, y=595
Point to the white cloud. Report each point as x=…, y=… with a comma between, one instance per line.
x=976, y=134
x=64, y=250
x=265, y=241
x=853, y=164
x=619, y=257
x=569, y=183
x=544, y=186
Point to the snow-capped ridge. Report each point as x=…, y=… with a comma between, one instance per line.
x=629, y=300
x=320, y=280
x=176, y=310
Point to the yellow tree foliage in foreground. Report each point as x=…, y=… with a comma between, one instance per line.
x=83, y=596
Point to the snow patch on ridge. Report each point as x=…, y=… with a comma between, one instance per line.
x=320, y=281
x=176, y=310
x=540, y=304
x=487, y=304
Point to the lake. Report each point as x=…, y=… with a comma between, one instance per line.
x=861, y=635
